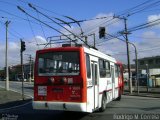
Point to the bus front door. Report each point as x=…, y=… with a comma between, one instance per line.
x=95, y=83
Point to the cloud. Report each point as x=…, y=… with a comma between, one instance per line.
x=152, y=18
x=14, y=50
x=91, y=27
x=147, y=46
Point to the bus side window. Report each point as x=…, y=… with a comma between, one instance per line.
x=102, y=68
x=119, y=71
x=88, y=66
x=116, y=71
x=108, y=69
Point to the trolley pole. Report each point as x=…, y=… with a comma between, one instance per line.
x=6, y=57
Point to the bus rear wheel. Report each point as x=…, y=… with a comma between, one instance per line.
x=103, y=104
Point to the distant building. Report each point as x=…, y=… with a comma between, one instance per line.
x=15, y=72
x=152, y=64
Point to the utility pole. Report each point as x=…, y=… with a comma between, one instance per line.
x=6, y=56
x=30, y=67
x=128, y=56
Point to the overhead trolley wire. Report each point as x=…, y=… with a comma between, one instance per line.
x=41, y=27
x=44, y=23
x=30, y=5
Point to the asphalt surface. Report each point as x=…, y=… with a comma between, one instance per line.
x=13, y=107
x=130, y=106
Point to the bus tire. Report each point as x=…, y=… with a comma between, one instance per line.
x=103, y=103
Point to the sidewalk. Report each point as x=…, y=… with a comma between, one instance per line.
x=153, y=92
x=10, y=99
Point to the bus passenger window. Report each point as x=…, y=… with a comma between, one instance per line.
x=108, y=69
x=102, y=68
x=116, y=70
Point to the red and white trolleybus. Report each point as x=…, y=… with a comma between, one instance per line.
x=76, y=78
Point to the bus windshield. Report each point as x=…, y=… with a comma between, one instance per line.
x=58, y=63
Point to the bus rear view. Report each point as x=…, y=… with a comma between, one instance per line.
x=59, y=79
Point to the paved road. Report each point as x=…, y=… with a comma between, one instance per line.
x=130, y=107
x=17, y=86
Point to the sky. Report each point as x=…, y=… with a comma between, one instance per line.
x=22, y=26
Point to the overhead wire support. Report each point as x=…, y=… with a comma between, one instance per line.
x=30, y=5
x=62, y=21
x=44, y=23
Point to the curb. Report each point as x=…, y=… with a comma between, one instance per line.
x=141, y=95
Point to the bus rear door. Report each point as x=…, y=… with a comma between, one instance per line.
x=94, y=68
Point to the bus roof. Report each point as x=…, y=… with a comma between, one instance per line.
x=99, y=54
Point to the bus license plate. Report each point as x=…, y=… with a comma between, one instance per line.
x=42, y=90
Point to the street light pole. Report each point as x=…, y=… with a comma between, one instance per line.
x=6, y=56
x=30, y=68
